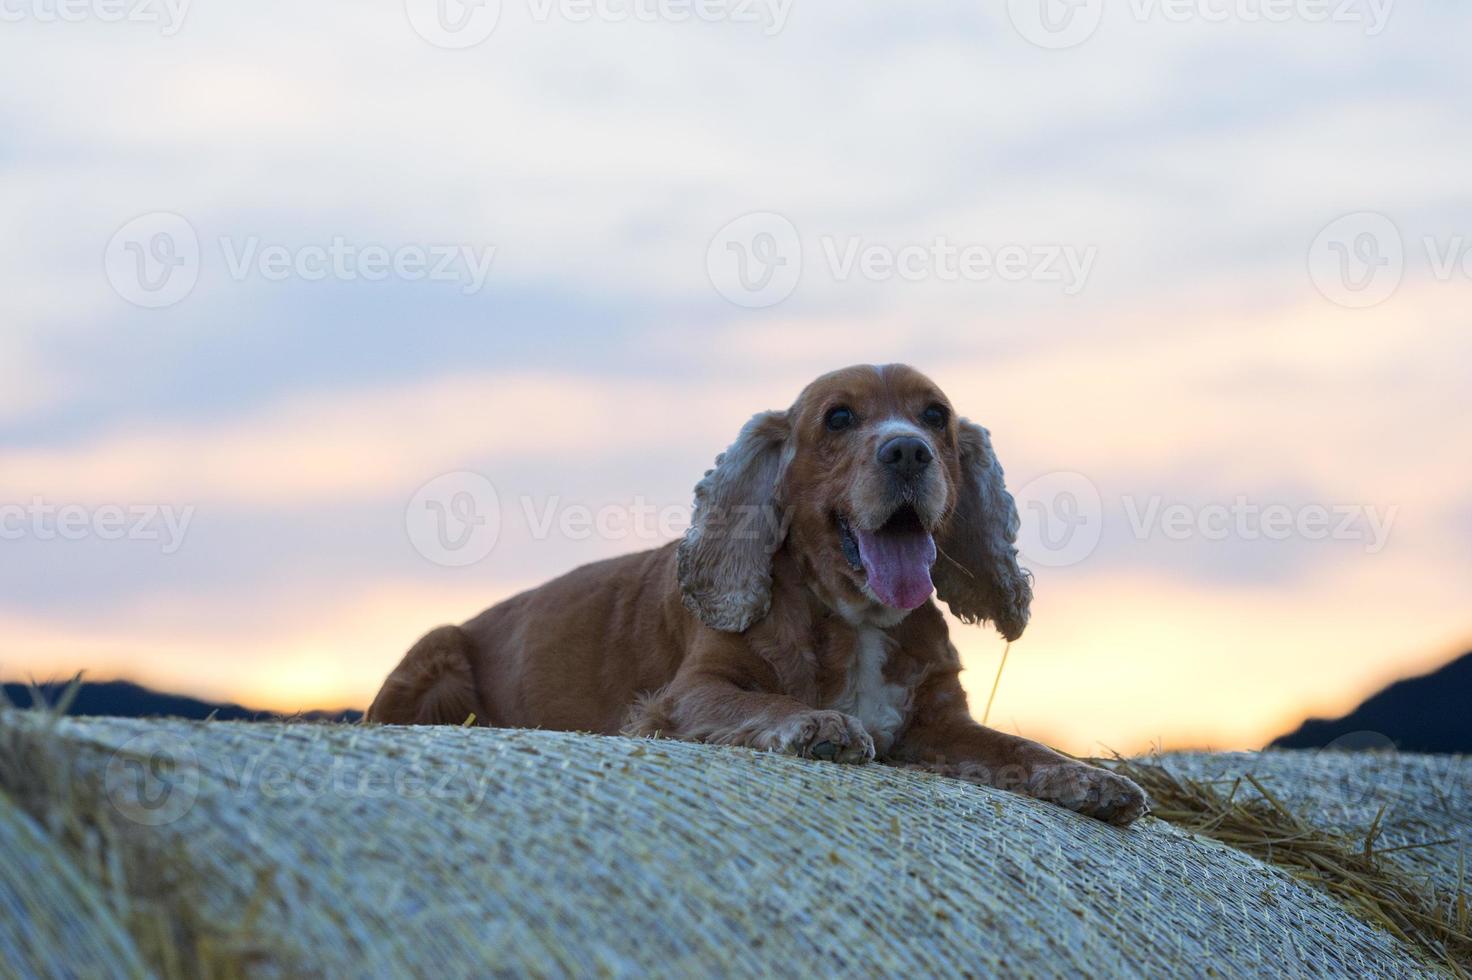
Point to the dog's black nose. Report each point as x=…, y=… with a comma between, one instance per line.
x=907, y=456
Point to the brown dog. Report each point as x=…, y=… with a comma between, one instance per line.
x=794, y=616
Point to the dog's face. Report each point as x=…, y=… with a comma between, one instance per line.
x=872, y=478
x=881, y=493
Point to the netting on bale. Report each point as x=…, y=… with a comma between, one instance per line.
x=53, y=921
x=1420, y=805
x=289, y=849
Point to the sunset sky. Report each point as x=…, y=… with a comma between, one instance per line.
x=1239, y=283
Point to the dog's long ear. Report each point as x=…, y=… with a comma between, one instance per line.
x=977, y=572
x=725, y=561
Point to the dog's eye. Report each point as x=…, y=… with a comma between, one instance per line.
x=935, y=416
x=838, y=419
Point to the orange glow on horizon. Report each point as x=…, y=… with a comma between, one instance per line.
x=1116, y=655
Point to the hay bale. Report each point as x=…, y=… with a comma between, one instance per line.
x=1421, y=805
x=287, y=849
x=53, y=921
x=1237, y=805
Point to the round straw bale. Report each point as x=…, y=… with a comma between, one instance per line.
x=1423, y=802
x=53, y=921
x=300, y=848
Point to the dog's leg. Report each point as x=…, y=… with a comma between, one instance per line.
x=707, y=709
x=432, y=685
x=943, y=737
x=724, y=694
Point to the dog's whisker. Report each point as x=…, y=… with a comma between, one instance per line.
x=941, y=551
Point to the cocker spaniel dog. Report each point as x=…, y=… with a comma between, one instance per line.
x=795, y=616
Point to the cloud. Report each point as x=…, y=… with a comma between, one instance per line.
x=299, y=650
x=599, y=159
x=24, y=384
x=1146, y=659
x=313, y=448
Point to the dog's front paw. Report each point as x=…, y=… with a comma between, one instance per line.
x=830, y=735
x=1089, y=790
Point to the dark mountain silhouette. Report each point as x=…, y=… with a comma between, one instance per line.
x=124, y=699
x=1430, y=713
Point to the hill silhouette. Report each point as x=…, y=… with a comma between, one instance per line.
x=1430, y=713
x=124, y=699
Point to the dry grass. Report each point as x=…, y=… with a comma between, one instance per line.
x=1352, y=869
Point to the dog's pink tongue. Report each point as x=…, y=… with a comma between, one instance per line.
x=898, y=564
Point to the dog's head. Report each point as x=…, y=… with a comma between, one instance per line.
x=880, y=492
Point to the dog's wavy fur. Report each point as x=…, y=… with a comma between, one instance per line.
x=756, y=630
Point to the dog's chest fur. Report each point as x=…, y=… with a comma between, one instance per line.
x=868, y=694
